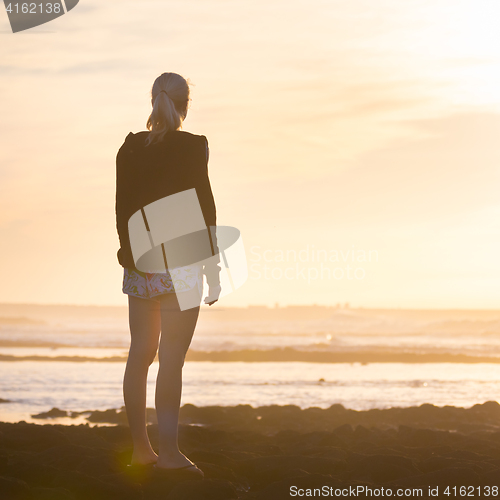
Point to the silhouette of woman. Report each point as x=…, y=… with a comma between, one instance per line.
x=151, y=165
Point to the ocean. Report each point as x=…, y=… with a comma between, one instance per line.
x=73, y=358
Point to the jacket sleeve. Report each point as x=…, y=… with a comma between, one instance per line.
x=120, y=200
x=206, y=198
x=204, y=191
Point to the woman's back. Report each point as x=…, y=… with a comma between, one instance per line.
x=147, y=173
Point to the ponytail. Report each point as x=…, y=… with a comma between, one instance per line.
x=170, y=96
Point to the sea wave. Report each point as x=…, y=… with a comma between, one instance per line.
x=288, y=354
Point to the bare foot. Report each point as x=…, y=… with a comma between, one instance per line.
x=173, y=462
x=144, y=458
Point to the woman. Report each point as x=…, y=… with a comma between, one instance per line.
x=150, y=166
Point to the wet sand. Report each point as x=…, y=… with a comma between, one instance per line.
x=269, y=452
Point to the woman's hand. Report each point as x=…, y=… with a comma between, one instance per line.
x=213, y=294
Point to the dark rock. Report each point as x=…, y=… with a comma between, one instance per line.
x=319, y=438
x=208, y=489
x=294, y=473
x=265, y=448
x=240, y=454
x=108, y=416
x=34, y=474
x=326, y=452
x=491, y=407
x=425, y=437
x=453, y=476
x=288, y=437
x=14, y=489
x=85, y=487
x=361, y=432
x=268, y=469
x=336, y=409
x=213, y=471
x=381, y=468
x=32, y=437
x=97, y=466
x=437, y=463
x=65, y=456
x=281, y=490
x=491, y=478
x=248, y=458
x=54, y=413
x=465, y=455
x=211, y=457
x=52, y=494
x=344, y=431
x=158, y=488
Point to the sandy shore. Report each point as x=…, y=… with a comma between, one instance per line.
x=265, y=453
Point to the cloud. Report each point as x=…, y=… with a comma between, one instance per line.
x=451, y=172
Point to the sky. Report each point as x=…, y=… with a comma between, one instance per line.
x=355, y=145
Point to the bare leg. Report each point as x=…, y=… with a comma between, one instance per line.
x=144, y=321
x=177, y=331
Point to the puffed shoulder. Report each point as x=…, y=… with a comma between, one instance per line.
x=128, y=139
x=137, y=138
x=197, y=137
x=200, y=140
x=185, y=133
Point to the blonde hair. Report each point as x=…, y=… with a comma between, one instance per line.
x=170, y=96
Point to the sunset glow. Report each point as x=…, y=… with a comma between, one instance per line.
x=334, y=125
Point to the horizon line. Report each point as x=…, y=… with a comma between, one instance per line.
x=275, y=307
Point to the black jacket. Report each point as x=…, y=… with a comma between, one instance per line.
x=145, y=174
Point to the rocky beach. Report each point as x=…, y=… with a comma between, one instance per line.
x=269, y=452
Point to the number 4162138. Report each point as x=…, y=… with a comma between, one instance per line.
x=470, y=491
x=33, y=8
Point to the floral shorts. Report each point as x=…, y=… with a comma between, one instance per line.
x=151, y=285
